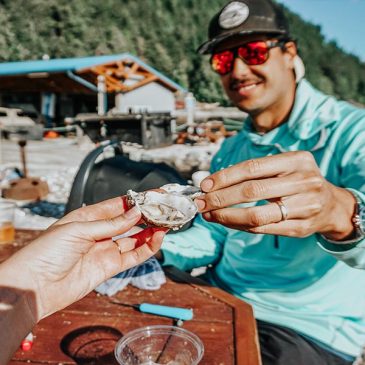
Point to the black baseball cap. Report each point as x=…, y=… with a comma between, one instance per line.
x=243, y=17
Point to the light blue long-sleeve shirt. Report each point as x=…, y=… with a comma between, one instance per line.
x=305, y=284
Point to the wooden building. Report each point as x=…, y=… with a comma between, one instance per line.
x=59, y=88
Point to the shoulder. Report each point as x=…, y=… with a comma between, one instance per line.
x=338, y=114
x=351, y=119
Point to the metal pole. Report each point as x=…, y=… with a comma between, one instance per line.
x=190, y=108
x=101, y=95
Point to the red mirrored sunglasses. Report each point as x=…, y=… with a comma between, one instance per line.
x=252, y=53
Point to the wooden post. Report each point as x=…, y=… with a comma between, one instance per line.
x=22, y=143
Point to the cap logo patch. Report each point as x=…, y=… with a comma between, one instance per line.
x=233, y=14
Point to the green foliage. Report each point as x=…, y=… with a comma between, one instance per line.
x=328, y=67
x=165, y=34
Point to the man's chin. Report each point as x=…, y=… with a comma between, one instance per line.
x=249, y=108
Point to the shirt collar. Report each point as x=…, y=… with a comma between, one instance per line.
x=312, y=112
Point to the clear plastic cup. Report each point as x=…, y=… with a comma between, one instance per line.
x=159, y=345
x=7, y=230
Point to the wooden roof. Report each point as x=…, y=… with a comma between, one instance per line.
x=123, y=73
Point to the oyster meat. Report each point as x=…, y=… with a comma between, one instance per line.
x=171, y=208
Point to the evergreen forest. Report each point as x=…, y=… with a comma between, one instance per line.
x=165, y=34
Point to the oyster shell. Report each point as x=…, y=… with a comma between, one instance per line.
x=171, y=208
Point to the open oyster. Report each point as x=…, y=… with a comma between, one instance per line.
x=171, y=208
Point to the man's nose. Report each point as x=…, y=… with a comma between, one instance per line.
x=240, y=69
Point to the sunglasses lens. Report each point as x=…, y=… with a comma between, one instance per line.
x=254, y=53
x=222, y=62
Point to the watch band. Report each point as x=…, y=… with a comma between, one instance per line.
x=359, y=216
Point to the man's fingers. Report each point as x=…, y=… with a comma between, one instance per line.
x=106, y=209
x=243, y=218
x=106, y=228
x=256, y=190
x=297, y=207
x=288, y=228
x=277, y=165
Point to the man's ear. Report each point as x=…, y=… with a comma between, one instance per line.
x=290, y=53
x=291, y=48
x=293, y=60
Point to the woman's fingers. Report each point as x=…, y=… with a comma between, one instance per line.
x=128, y=252
x=106, y=209
x=147, y=234
x=140, y=236
x=106, y=228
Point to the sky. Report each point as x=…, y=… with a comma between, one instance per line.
x=340, y=20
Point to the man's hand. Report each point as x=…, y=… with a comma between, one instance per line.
x=77, y=253
x=312, y=203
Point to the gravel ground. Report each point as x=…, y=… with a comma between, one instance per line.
x=55, y=161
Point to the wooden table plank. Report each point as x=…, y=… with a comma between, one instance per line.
x=171, y=294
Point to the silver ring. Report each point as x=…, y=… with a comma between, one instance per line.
x=283, y=210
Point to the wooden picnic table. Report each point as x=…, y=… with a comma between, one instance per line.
x=87, y=331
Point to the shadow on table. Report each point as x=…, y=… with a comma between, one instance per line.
x=92, y=345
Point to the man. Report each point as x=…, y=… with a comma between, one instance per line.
x=280, y=217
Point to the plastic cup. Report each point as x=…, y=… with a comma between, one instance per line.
x=159, y=345
x=7, y=230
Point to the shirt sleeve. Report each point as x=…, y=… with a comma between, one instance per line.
x=352, y=178
x=198, y=246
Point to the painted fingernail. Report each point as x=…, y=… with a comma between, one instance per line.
x=207, y=184
x=160, y=229
x=125, y=203
x=132, y=213
x=200, y=204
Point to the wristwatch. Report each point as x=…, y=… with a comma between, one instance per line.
x=358, y=221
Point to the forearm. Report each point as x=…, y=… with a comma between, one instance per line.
x=16, y=312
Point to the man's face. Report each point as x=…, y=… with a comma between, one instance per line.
x=254, y=89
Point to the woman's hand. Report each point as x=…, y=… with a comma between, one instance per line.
x=311, y=203
x=77, y=253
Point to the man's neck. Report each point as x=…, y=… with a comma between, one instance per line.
x=274, y=116
x=267, y=121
